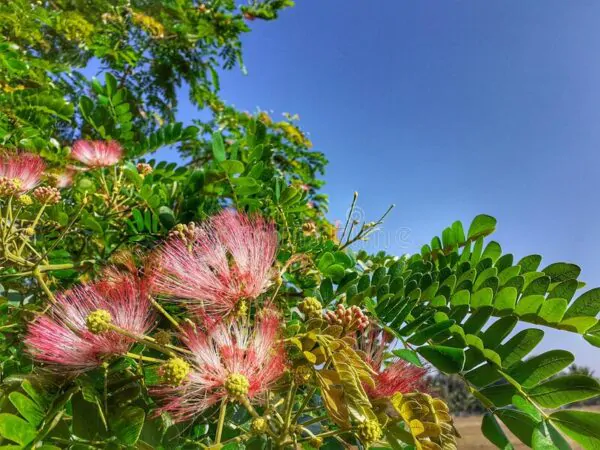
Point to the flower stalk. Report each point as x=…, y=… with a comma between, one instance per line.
x=221, y=422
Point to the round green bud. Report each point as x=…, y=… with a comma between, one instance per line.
x=163, y=337
x=29, y=231
x=311, y=307
x=16, y=182
x=98, y=321
x=259, y=425
x=303, y=374
x=25, y=200
x=175, y=371
x=316, y=442
x=369, y=432
x=236, y=385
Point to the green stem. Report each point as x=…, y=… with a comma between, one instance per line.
x=17, y=259
x=289, y=403
x=240, y=438
x=66, y=230
x=7, y=221
x=221, y=421
x=39, y=277
x=144, y=358
x=304, y=403
x=246, y=404
x=352, y=206
x=287, y=418
x=13, y=221
x=314, y=420
x=233, y=194
x=525, y=395
x=325, y=435
x=49, y=267
x=105, y=412
x=146, y=340
x=33, y=225
x=164, y=312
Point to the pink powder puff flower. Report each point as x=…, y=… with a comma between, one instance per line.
x=24, y=168
x=397, y=376
x=62, y=338
x=97, y=153
x=230, y=360
x=212, y=267
x=64, y=179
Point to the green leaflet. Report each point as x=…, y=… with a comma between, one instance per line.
x=581, y=426
x=16, y=429
x=494, y=433
x=127, y=424
x=218, y=147
x=27, y=408
x=541, y=367
x=546, y=437
x=564, y=390
x=519, y=423
x=588, y=304
x=446, y=359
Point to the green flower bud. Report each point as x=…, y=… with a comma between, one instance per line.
x=163, y=337
x=303, y=374
x=316, y=442
x=311, y=307
x=259, y=425
x=369, y=432
x=175, y=371
x=25, y=200
x=237, y=385
x=98, y=321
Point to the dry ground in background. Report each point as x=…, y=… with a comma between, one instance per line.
x=473, y=439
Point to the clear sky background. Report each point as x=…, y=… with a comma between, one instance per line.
x=447, y=109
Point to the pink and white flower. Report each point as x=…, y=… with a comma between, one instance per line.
x=64, y=179
x=97, y=153
x=395, y=375
x=252, y=357
x=62, y=338
x=214, y=266
x=25, y=169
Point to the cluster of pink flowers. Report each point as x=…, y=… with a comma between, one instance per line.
x=227, y=260
x=212, y=266
x=97, y=153
x=395, y=376
x=212, y=269
x=65, y=178
x=227, y=353
x=61, y=338
x=23, y=170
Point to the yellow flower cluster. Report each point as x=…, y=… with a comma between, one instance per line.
x=98, y=321
x=175, y=371
x=237, y=385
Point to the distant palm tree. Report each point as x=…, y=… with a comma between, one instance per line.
x=580, y=370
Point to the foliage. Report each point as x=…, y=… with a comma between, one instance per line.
x=455, y=307
x=455, y=392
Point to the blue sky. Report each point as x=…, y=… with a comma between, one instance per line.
x=447, y=109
